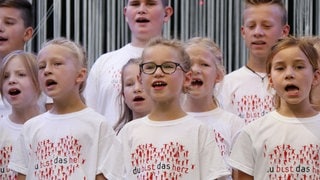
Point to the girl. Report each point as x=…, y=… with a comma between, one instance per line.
x=284, y=144
x=207, y=70
x=20, y=88
x=70, y=141
x=168, y=143
x=134, y=103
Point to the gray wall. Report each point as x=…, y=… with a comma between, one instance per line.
x=100, y=27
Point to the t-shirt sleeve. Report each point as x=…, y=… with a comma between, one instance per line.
x=212, y=164
x=19, y=158
x=110, y=162
x=242, y=154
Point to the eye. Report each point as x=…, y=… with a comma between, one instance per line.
x=205, y=65
x=6, y=76
x=134, y=3
x=41, y=66
x=168, y=65
x=149, y=66
x=278, y=68
x=22, y=74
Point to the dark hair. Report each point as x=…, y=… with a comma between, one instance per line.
x=126, y=114
x=275, y=2
x=25, y=8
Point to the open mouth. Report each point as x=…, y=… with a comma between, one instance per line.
x=142, y=20
x=291, y=88
x=3, y=39
x=258, y=43
x=14, y=92
x=50, y=82
x=196, y=82
x=159, y=84
x=138, y=99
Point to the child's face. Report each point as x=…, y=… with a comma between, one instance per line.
x=59, y=72
x=13, y=33
x=292, y=76
x=134, y=95
x=262, y=28
x=18, y=87
x=146, y=18
x=204, y=72
x=160, y=86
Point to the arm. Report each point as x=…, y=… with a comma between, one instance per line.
x=100, y=177
x=243, y=176
x=21, y=176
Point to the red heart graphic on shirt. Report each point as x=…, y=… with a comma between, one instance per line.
x=5, y=172
x=58, y=160
x=285, y=162
x=169, y=162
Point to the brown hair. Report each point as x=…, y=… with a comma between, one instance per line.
x=303, y=44
x=284, y=19
x=25, y=8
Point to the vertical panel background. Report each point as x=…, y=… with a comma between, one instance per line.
x=99, y=25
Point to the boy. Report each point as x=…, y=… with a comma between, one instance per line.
x=145, y=19
x=244, y=91
x=16, y=19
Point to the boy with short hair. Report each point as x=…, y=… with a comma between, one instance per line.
x=145, y=19
x=16, y=21
x=244, y=91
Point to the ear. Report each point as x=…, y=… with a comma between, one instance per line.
x=316, y=78
x=270, y=81
x=82, y=75
x=243, y=33
x=125, y=13
x=168, y=11
x=28, y=34
x=219, y=77
x=285, y=30
x=187, y=81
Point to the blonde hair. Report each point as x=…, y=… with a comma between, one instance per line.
x=76, y=50
x=174, y=44
x=284, y=19
x=30, y=63
x=303, y=44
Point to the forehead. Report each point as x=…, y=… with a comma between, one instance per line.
x=161, y=53
x=263, y=12
x=53, y=51
x=290, y=54
x=9, y=12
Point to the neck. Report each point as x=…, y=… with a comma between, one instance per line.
x=301, y=110
x=166, y=111
x=257, y=64
x=20, y=116
x=67, y=106
x=199, y=105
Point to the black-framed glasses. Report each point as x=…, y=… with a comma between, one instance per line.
x=166, y=68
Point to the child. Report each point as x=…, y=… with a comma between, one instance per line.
x=284, y=144
x=207, y=70
x=16, y=21
x=244, y=91
x=71, y=140
x=134, y=101
x=19, y=86
x=145, y=19
x=168, y=143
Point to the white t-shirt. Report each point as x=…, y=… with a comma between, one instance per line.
x=9, y=132
x=175, y=149
x=279, y=147
x=245, y=94
x=104, y=81
x=66, y=146
x=5, y=108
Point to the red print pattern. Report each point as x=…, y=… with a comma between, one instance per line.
x=286, y=162
x=58, y=160
x=251, y=107
x=221, y=143
x=169, y=162
x=5, y=173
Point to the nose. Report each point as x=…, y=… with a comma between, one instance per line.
x=137, y=88
x=258, y=31
x=12, y=80
x=195, y=69
x=289, y=73
x=47, y=70
x=142, y=9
